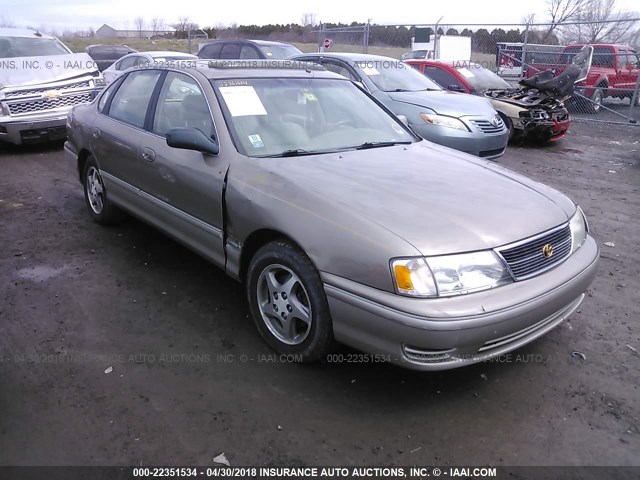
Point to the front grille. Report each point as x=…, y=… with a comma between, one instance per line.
x=40, y=90
x=31, y=106
x=526, y=258
x=487, y=127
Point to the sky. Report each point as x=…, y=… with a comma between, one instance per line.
x=60, y=15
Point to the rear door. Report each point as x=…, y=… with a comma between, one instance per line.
x=116, y=133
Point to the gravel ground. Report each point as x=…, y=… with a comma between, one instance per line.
x=190, y=378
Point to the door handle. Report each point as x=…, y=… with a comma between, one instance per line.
x=96, y=133
x=148, y=154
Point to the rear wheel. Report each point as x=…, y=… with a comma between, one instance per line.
x=595, y=105
x=288, y=303
x=100, y=208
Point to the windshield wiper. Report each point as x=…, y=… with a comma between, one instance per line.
x=367, y=145
x=294, y=152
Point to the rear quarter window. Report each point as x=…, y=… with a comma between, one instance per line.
x=131, y=101
x=211, y=51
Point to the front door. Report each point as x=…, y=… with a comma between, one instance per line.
x=185, y=186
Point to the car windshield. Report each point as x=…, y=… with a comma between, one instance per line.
x=395, y=76
x=279, y=52
x=271, y=117
x=30, y=47
x=481, y=78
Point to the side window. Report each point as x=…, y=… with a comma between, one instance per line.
x=440, y=76
x=622, y=56
x=212, y=51
x=108, y=93
x=339, y=69
x=602, y=57
x=128, y=62
x=181, y=104
x=634, y=60
x=248, y=52
x=131, y=101
x=230, y=51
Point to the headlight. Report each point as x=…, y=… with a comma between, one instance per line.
x=579, y=229
x=442, y=121
x=468, y=272
x=99, y=82
x=449, y=274
x=413, y=277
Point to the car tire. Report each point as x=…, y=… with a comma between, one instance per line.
x=288, y=303
x=508, y=123
x=594, y=105
x=100, y=208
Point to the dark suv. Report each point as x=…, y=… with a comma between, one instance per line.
x=106, y=55
x=234, y=49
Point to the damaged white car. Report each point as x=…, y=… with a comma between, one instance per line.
x=40, y=81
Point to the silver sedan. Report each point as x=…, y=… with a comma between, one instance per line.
x=343, y=225
x=468, y=124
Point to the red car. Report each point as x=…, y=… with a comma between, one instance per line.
x=532, y=113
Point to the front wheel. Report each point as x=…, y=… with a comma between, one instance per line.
x=288, y=303
x=507, y=123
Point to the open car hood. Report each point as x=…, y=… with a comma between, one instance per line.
x=543, y=89
x=563, y=85
x=47, y=69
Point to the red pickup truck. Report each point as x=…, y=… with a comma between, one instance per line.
x=614, y=73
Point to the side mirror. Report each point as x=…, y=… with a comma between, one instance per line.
x=192, y=139
x=403, y=119
x=455, y=88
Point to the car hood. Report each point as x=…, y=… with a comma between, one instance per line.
x=437, y=199
x=446, y=103
x=50, y=68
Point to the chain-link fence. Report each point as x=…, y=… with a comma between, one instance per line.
x=610, y=93
x=343, y=38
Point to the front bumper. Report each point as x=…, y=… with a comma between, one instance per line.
x=445, y=333
x=551, y=129
x=483, y=145
x=34, y=129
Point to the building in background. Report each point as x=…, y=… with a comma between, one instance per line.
x=105, y=31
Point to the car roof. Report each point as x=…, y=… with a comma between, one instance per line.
x=106, y=45
x=22, y=32
x=353, y=57
x=246, y=40
x=448, y=63
x=615, y=45
x=223, y=69
x=165, y=53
